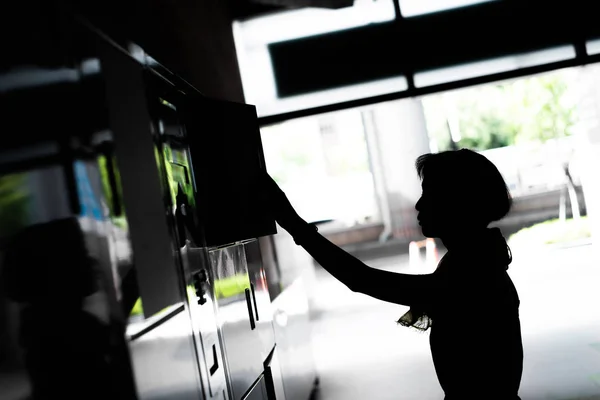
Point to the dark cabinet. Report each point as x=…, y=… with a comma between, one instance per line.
x=211, y=157
x=227, y=162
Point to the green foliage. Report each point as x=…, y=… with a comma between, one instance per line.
x=121, y=222
x=231, y=286
x=13, y=204
x=137, y=309
x=108, y=193
x=552, y=232
x=225, y=287
x=533, y=109
x=488, y=132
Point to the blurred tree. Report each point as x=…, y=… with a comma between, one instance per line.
x=496, y=115
x=552, y=117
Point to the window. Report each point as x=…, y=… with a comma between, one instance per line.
x=253, y=36
x=489, y=67
x=593, y=46
x=322, y=164
x=411, y=8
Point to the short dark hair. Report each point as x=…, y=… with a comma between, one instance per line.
x=471, y=178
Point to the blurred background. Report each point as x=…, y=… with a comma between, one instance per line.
x=333, y=167
x=354, y=168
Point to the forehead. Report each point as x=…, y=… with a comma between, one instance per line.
x=438, y=182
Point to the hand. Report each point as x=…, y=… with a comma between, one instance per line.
x=282, y=209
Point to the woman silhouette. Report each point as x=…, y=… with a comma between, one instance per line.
x=469, y=302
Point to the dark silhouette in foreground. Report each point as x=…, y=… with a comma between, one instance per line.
x=469, y=302
x=49, y=272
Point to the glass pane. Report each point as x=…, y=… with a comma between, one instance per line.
x=593, y=46
x=493, y=66
x=253, y=36
x=267, y=103
x=305, y=22
x=322, y=164
x=411, y=8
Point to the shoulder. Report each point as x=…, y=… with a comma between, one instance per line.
x=472, y=274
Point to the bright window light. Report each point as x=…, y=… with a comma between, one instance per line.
x=411, y=8
x=493, y=66
x=253, y=36
x=305, y=22
x=268, y=103
x=593, y=46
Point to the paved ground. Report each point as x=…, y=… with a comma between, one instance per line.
x=362, y=354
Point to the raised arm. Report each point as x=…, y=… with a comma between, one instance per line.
x=388, y=286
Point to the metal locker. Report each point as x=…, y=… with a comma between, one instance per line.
x=258, y=391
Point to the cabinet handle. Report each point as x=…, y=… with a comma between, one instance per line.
x=254, y=299
x=250, y=313
x=200, y=279
x=215, y=365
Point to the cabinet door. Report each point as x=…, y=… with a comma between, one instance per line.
x=259, y=291
x=228, y=162
x=163, y=358
x=143, y=190
x=258, y=391
x=274, y=378
x=203, y=313
x=247, y=341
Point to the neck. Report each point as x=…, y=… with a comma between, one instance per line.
x=464, y=238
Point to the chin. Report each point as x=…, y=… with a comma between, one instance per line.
x=428, y=232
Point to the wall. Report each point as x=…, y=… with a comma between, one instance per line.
x=193, y=38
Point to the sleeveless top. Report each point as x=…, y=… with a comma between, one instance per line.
x=472, y=309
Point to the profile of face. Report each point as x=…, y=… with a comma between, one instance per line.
x=462, y=192
x=439, y=214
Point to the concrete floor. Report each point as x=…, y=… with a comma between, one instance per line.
x=361, y=353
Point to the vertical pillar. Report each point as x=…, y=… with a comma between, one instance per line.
x=401, y=135
x=378, y=172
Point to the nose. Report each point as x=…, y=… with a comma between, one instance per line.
x=419, y=204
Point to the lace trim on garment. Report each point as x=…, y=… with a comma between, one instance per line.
x=497, y=249
x=416, y=320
